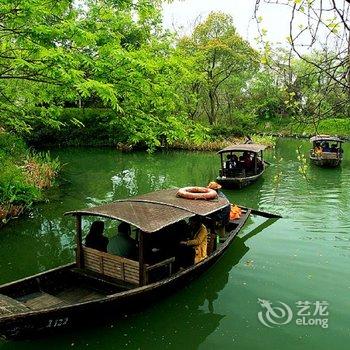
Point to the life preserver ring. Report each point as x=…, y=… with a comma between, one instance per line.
x=203, y=193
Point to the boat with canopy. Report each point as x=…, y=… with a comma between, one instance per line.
x=241, y=165
x=327, y=151
x=99, y=285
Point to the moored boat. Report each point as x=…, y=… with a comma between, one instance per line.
x=99, y=285
x=241, y=165
x=327, y=151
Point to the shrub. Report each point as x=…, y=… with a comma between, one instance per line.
x=23, y=175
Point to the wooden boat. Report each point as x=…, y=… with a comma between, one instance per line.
x=98, y=285
x=322, y=154
x=240, y=175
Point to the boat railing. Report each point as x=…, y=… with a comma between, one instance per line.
x=111, y=265
x=166, y=264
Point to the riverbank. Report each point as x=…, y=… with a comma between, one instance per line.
x=284, y=127
x=220, y=143
x=24, y=176
x=99, y=127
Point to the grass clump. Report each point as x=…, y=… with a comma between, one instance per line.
x=23, y=176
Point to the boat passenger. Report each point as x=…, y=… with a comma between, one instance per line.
x=122, y=244
x=221, y=217
x=326, y=147
x=228, y=162
x=95, y=238
x=233, y=162
x=246, y=161
x=334, y=148
x=199, y=240
x=318, y=149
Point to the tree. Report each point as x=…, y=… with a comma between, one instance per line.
x=113, y=52
x=44, y=49
x=322, y=25
x=219, y=54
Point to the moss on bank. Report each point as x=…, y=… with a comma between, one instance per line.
x=23, y=177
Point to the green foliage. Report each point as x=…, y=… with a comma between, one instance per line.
x=23, y=174
x=139, y=85
x=11, y=146
x=224, y=63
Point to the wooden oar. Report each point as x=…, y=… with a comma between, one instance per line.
x=265, y=214
x=266, y=162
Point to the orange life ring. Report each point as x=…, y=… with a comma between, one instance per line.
x=197, y=193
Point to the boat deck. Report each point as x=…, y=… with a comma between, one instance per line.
x=42, y=300
x=9, y=306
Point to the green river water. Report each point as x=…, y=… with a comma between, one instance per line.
x=303, y=257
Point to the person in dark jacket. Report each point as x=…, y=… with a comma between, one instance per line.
x=122, y=244
x=95, y=238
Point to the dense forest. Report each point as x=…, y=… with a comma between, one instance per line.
x=106, y=72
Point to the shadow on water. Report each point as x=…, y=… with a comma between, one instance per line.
x=183, y=320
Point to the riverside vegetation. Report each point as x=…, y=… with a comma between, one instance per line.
x=106, y=73
x=23, y=177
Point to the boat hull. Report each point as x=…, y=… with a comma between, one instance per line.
x=327, y=163
x=47, y=321
x=237, y=182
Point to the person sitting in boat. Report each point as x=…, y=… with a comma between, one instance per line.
x=95, y=238
x=228, y=164
x=326, y=147
x=334, y=148
x=221, y=217
x=199, y=240
x=122, y=244
x=246, y=161
x=235, y=161
x=318, y=149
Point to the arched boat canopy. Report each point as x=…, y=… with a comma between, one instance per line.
x=320, y=138
x=153, y=211
x=249, y=147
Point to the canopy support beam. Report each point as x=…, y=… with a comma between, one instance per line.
x=78, y=237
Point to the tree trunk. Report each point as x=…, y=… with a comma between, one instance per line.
x=212, y=111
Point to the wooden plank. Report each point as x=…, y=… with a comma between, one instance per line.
x=142, y=271
x=111, y=257
x=10, y=306
x=41, y=300
x=79, y=294
x=123, y=271
x=101, y=263
x=161, y=263
x=80, y=258
x=111, y=265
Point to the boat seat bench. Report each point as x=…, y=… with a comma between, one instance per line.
x=111, y=265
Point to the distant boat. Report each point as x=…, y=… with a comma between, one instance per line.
x=326, y=151
x=100, y=285
x=239, y=172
